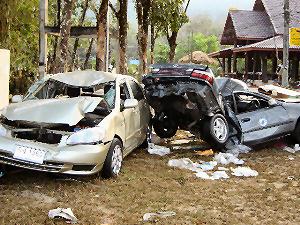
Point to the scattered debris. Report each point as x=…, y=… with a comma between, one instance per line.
x=291, y=158
x=292, y=150
x=244, y=172
x=206, y=166
x=66, y=214
x=205, y=152
x=184, y=163
x=158, y=150
x=217, y=175
x=180, y=142
x=223, y=168
x=152, y=216
x=227, y=158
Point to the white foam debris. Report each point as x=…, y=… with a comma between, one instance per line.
x=244, y=172
x=227, y=158
x=158, y=150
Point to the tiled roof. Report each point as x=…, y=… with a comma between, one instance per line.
x=274, y=8
x=251, y=24
x=269, y=44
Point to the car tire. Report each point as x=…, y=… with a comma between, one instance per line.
x=114, y=159
x=166, y=128
x=216, y=131
x=296, y=133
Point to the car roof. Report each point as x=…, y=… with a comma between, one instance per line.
x=85, y=78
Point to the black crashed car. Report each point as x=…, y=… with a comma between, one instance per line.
x=186, y=97
x=189, y=97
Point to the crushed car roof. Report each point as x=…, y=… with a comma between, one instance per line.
x=84, y=78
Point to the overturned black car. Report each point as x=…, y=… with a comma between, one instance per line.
x=189, y=97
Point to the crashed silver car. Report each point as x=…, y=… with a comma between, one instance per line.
x=75, y=123
x=217, y=110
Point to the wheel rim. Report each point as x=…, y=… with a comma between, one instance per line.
x=220, y=129
x=117, y=158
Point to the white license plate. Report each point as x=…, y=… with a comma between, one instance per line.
x=29, y=154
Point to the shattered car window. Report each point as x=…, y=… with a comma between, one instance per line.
x=56, y=89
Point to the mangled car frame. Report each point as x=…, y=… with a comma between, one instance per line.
x=75, y=123
x=189, y=97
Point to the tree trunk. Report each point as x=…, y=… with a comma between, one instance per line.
x=143, y=9
x=76, y=44
x=62, y=59
x=101, y=35
x=88, y=54
x=123, y=25
x=4, y=15
x=172, y=44
x=152, y=44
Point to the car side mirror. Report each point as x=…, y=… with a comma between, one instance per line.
x=17, y=98
x=272, y=102
x=130, y=103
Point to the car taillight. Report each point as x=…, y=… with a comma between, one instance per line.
x=204, y=76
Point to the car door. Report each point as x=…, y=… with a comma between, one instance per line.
x=130, y=119
x=143, y=116
x=259, y=120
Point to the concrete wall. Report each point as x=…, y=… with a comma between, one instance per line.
x=4, y=77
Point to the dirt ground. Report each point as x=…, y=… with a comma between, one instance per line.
x=147, y=184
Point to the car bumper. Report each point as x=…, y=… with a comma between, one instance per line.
x=75, y=160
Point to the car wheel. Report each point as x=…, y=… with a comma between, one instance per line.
x=113, y=162
x=216, y=130
x=296, y=134
x=165, y=128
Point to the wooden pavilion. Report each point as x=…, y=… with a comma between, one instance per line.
x=257, y=37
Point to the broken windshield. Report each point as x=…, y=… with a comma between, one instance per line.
x=56, y=89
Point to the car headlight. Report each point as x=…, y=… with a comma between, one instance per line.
x=86, y=136
x=4, y=132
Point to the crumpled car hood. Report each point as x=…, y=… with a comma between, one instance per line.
x=59, y=111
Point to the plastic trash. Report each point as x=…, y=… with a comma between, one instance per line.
x=152, y=216
x=206, y=166
x=65, y=214
x=217, y=175
x=292, y=150
x=227, y=158
x=158, y=150
x=184, y=163
x=244, y=172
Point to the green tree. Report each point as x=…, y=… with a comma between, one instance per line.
x=169, y=16
x=20, y=36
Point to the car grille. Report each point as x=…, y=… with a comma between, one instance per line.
x=46, y=166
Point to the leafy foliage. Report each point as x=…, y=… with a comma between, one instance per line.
x=22, y=41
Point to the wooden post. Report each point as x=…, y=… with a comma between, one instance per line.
x=297, y=65
x=246, y=65
x=235, y=60
x=229, y=65
x=286, y=44
x=43, y=38
x=224, y=65
x=295, y=68
x=264, y=68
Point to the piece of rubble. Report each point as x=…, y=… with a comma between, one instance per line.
x=65, y=214
x=153, y=216
x=158, y=150
x=180, y=142
x=205, y=152
x=227, y=158
x=244, y=172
